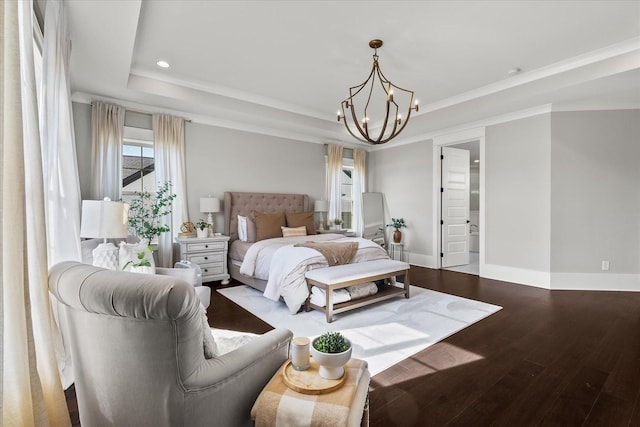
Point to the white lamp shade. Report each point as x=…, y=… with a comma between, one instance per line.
x=321, y=206
x=104, y=219
x=209, y=204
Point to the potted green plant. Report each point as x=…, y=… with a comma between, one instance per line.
x=147, y=211
x=332, y=351
x=202, y=230
x=397, y=223
x=337, y=223
x=143, y=265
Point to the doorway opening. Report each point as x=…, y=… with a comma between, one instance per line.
x=470, y=263
x=459, y=226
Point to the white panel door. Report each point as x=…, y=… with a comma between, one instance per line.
x=455, y=207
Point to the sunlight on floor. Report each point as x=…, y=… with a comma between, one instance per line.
x=442, y=356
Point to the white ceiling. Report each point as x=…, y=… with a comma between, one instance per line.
x=282, y=67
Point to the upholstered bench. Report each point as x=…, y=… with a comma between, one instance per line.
x=342, y=276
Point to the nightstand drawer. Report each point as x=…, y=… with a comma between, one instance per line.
x=206, y=258
x=212, y=269
x=209, y=246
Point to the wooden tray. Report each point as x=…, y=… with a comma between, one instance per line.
x=309, y=381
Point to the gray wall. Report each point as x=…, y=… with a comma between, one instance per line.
x=595, y=195
x=404, y=175
x=82, y=127
x=219, y=160
x=517, y=193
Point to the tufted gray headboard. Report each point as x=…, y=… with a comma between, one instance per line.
x=238, y=203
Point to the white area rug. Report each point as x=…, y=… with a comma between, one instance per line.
x=383, y=334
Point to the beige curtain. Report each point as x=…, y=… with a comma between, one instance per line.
x=31, y=390
x=359, y=179
x=334, y=180
x=107, y=127
x=168, y=136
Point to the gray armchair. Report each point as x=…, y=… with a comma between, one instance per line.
x=137, y=347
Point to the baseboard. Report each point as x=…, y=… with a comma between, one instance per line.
x=595, y=281
x=539, y=279
x=420, y=260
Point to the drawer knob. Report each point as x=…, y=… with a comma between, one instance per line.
x=205, y=270
x=206, y=246
x=206, y=257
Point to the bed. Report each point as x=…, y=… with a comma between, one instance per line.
x=276, y=266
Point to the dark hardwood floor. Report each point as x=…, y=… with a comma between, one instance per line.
x=548, y=358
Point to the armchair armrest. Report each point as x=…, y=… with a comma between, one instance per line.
x=272, y=346
x=234, y=380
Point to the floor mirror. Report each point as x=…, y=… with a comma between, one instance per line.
x=373, y=218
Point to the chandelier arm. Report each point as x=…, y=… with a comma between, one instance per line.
x=356, y=123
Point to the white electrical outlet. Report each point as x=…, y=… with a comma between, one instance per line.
x=605, y=265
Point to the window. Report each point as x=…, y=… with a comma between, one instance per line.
x=138, y=162
x=347, y=193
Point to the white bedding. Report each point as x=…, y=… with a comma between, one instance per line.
x=283, y=265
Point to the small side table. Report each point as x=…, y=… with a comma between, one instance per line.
x=396, y=251
x=348, y=405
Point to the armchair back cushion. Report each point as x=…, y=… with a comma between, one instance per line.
x=137, y=348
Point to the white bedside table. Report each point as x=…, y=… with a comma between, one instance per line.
x=209, y=253
x=396, y=251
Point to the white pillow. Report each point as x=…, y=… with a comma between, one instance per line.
x=130, y=251
x=208, y=343
x=242, y=228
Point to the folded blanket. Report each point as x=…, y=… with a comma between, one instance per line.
x=362, y=290
x=319, y=297
x=278, y=405
x=335, y=253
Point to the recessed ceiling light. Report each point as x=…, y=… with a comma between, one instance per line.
x=163, y=64
x=514, y=71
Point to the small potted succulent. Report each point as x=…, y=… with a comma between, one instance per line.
x=202, y=229
x=397, y=223
x=332, y=351
x=337, y=223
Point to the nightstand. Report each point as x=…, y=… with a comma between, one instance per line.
x=210, y=253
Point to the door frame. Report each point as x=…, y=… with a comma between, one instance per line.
x=454, y=138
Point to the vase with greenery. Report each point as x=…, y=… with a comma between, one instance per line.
x=337, y=223
x=397, y=223
x=332, y=351
x=147, y=212
x=202, y=228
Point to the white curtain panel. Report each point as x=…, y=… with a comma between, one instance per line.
x=168, y=136
x=107, y=127
x=61, y=177
x=31, y=390
x=334, y=176
x=359, y=187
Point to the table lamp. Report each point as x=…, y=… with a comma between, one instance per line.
x=209, y=205
x=321, y=206
x=107, y=220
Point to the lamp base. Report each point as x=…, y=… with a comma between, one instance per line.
x=106, y=256
x=210, y=222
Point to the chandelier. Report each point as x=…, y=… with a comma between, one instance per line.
x=381, y=104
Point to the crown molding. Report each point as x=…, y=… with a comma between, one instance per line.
x=574, y=63
x=235, y=94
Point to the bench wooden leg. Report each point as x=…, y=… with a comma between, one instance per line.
x=328, y=309
x=406, y=284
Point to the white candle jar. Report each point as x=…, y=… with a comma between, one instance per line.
x=300, y=353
